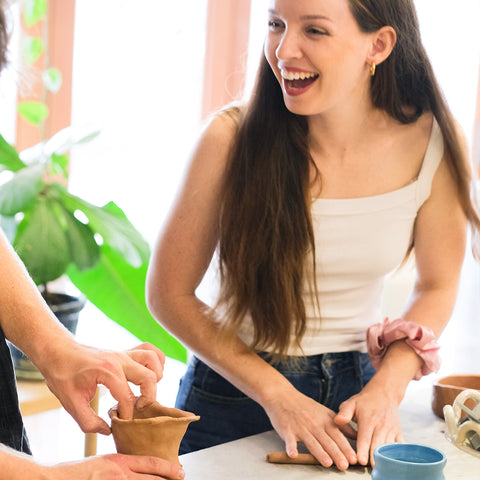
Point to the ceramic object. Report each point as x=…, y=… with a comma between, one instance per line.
x=401, y=461
x=446, y=390
x=463, y=422
x=154, y=430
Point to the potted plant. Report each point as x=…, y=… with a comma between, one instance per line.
x=57, y=233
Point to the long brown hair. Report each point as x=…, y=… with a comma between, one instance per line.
x=265, y=225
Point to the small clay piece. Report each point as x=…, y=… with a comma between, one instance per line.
x=302, y=458
x=446, y=390
x=154, y=430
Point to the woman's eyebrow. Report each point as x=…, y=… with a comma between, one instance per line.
x=271, y=11
x=304, y=17
x=315, y=17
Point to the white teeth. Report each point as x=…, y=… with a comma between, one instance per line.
x=297, y=75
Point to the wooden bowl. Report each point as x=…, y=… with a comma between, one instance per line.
x=446, y=390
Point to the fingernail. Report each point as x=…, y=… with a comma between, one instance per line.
x=181, y=473
x=292, y=453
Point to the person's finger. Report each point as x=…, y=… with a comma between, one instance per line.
x=364, y=436
x=154, y=466
x=87, y=419
x=147, y=381
x=316, y=448
x=291, y=445
x=145, y=378
x=346, y=413
x=149, y=356
x=117, y=384
x=349, y=430
x=390, y=436
x=344, y=445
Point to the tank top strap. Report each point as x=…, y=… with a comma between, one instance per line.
x=431, y=161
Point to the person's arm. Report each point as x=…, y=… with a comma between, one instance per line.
x=179, y=262
x=440, y=238
x=72, y=370
x=15, y=465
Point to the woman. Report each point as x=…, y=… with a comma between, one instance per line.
x=345, y=159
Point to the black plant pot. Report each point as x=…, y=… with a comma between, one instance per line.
x=67, y=309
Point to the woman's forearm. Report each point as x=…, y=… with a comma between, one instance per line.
x=428, y=307
x=188, y=319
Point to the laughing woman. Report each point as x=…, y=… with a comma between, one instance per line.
x=345, y=160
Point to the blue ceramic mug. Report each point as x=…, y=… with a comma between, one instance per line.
x=401, y=461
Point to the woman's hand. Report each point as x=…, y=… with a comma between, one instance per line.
x=375, y=409
x=298, y=418
x=73, y=374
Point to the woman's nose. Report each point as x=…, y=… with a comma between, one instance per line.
x=289, y=47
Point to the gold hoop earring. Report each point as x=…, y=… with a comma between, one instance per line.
x=373, y=67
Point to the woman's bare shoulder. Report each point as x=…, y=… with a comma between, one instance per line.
x=226, y=122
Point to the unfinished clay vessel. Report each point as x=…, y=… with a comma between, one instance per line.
x=154, y=430
x=446, y=390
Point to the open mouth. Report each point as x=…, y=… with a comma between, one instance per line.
x=298, y=80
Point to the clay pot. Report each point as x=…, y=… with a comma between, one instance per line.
x=154, y=430
x=446, y=390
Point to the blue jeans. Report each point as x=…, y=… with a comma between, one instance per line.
x=227, y=414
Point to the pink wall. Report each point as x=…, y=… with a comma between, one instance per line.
x=228, y=24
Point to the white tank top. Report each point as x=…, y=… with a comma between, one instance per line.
x=358, y=242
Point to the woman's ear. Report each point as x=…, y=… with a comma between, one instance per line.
x=383, y=41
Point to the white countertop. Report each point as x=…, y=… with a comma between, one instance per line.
x=245, y=458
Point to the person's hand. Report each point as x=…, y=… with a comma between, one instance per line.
x=115, y=467
x=75, y=370
x=375, y=409
x=298, y=418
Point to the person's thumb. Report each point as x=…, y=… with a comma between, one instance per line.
x=88, y=420
x=345, y=413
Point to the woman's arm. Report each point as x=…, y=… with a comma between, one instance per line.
x=440, y=238
x=179, y=262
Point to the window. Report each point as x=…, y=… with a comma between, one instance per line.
x=137, y=75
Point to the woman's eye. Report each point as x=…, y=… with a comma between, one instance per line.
x=274, y=25
x=316, y=31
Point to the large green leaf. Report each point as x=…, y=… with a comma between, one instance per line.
x=84, y=250
x=118, y=290
x=41, y=243
x=114, y=228
x=21, y=190
x=9, y=158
